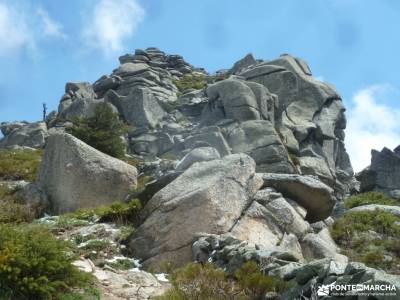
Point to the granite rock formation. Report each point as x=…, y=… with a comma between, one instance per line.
x=383, y=175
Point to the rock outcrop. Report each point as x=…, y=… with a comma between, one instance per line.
x=223, y=196
x=74, y=175
x=244, y=164
x=23, y=134
x=383, y=175
x=230, y=253
x=274, y=111
x=310, y=118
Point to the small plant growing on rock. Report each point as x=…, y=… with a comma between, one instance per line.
x=102, y=131
x=191, y=81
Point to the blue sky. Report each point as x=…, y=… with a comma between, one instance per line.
x=354, y=44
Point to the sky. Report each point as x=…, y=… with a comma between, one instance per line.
x=353, y=44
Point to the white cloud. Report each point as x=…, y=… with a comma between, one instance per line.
x=111, y=23
x=14, y=30
x=50, y=27
x=372, y=124
x=23, y=27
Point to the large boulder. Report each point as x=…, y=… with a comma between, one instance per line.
x=7, y=127
x=208, y=197
x=316, y=197
x=208, y=137
x=383, y=174
x=74, y=175
x=82, y=107
x=24, y=134
x=265, y=224
x=75, y=91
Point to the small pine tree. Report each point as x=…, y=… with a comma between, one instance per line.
x=101, y=131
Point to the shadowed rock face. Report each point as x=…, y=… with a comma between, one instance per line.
x=383, y=174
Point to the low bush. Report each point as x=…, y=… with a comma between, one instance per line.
x=122, y=213
x=354, y=223
x=208, y=282
x=102, y=131
x=369, y=198
x=36, y=265
x=19, y=164
x=255, y=284
x=122, y=264
x=371, y=237
x=191, y=81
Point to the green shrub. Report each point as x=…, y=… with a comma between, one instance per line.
x=255, y=284
x=11, y=211
x=346, y=228
x=207, y=282
x=195, y=281
x=191, y=81
x=21, y=164
x=36, y=265
x=369, y=198
x=102, y=131
x=122, y=264
x=368, y=237
x=122, y=213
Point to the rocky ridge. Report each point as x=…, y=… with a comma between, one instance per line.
x=383, y=175
x=245, y=164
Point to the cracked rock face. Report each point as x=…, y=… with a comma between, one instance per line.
x=208, y=197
